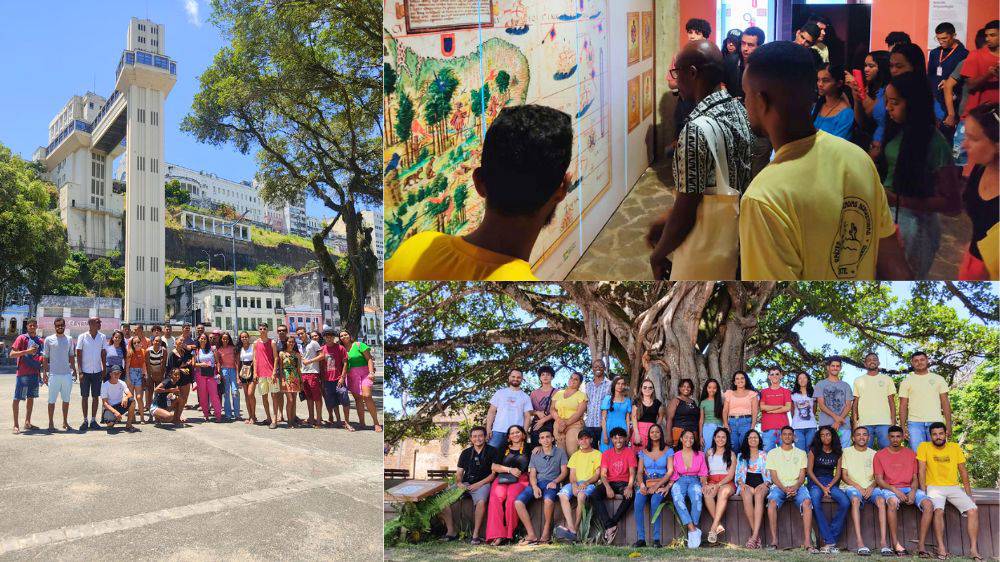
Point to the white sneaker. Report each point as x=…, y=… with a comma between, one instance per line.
x=694, y=538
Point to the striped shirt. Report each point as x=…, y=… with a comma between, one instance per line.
x=694, y=167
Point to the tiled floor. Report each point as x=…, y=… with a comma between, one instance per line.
x=620, y=252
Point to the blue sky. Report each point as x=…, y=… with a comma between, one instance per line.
x=55, y=49
x=811, y=331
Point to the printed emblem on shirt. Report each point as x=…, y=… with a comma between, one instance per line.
x=854, y=238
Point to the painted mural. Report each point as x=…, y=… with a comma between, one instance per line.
x=450, y=67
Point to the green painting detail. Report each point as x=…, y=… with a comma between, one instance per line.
x=435, y=113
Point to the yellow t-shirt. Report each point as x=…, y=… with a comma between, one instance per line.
x=873, y=399
x=786, y=463
x=817, y=211
x=441, y=257
x=989, y=248
x=586, y=464
x=566, y=407
x=942, y=464
x=859, y=465
x=924, y=395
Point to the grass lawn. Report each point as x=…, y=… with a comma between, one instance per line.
x=272, y=239
x=464, y=551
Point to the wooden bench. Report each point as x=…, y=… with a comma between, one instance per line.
x=396, y=474
x=440, y=474
x=790, y=525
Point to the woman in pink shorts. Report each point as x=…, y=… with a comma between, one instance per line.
x=359, y=369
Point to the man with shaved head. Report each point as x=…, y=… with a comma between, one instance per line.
x=711, y=169
x=819, y=210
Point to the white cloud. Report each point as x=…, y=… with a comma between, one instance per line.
x=191, y=7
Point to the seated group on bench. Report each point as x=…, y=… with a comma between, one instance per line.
x=507, y=468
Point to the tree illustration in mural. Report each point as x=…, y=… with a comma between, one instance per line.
x=438, y=106
x=404, y=126
x=480, y=100
x=389, y=78
x=461, y=194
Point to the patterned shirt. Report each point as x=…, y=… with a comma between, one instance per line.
x=595, y=396
x=694, y=167
x=743, y=466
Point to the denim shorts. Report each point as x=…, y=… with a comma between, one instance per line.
x=853, y=493
x=135, y=376
x=779, y=497
x=887, y=494
x=107, y=416
x=528, y=494
x=26, y=386
x=567, y=490
x=335, y=395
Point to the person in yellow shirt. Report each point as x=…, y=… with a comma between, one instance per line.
x=523, y=178
x=923, y=400
x=858, y=482
x=940, y=464
x=875, y=403
x=571, y=405
x=584, y=472
x=787, y=467
x=818, y=210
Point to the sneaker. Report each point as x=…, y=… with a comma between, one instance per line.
x=834, y=550
x=639, y=544
x=94, y=424
x=771, y=547
x=83, y=426
x=694, y=538
x=656, y=544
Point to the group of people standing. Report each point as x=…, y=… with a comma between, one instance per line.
x=143, y=378
x=593, y=441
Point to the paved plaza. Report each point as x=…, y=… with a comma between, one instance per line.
x=205, y=491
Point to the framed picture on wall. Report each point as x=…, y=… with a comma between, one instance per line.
x=633, y=103
x=647, y=93
x=647, y=35
x=633, y=38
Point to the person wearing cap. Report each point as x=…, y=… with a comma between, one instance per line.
x=335, y=394
x=118, y=401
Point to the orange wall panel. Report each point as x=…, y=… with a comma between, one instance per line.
x=981, y=12
x=911, y=16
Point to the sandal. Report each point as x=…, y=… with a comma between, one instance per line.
x=526, y=542
x=29, y=426
x=476, y=541
x=864, y=551
x=902, y=553
x=886, y=551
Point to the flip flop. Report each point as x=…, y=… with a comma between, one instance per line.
x=16, y=430
x=29, y=426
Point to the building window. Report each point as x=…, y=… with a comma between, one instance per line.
x=268, y=303
x=277, y=303
x=229, y=323
x=218, y=300
x=97, y=163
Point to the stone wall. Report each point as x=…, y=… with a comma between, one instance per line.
x=185, y=246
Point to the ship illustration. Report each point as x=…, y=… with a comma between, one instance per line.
x=566, y=66
x=586, y=100
x=518, y=24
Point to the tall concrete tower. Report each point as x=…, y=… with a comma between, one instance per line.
x=144, y=78
x=86, y=136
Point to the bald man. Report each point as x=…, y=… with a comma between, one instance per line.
x=699, y=239
x=818, y=210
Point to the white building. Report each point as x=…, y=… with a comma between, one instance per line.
x=210, y=191
x=199, y=301
x=84, y=139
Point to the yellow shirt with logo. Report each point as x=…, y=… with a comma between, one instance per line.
x=435, y=256
x=586, y=464
x=942, y=464
x=859, y=465
x=817, y=211
x=566, y=405
x=924, y=395
x=873, y=394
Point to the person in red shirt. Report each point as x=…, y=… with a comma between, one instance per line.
x=27, y=350
x=980, y=68
x=618, y=468
x=333, y=356
x=896, y=476
x=775, y=403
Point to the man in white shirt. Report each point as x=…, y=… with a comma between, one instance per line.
x=59, y=370
x=117, y=400
x=509, y=406
x=91, y=359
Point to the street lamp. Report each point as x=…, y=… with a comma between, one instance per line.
x=236, y=303
x=209, y=258
x=223, y=256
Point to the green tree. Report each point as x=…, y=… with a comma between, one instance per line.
x=175, y=195
x=480, y=101
x=977, y=425
x=32, y=238
x=404, y=126
x=503, y=84
x=301, y=82
x=461, y=194
x=450, y=345
x=438, y=106
x=389, y=78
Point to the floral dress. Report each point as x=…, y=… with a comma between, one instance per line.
x=292, y=382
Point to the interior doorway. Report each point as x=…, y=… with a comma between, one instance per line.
x=851, y=25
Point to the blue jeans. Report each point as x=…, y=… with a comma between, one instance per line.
x=845, y=436
x=690, y=487
x=921, y=234
x=829, y=530
x=804, y=438
x=919, y=432
x=639, y=511
x=498, y=439
x=778, y=496
x=527, y=495
x=771, y=438
x=231, y=392
x=738, y=429
x=879, y=433
x=25, y=386
x=707, y=432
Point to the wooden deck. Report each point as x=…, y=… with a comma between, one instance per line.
x=790, y=525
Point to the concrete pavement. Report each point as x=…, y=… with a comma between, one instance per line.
x=202, y=492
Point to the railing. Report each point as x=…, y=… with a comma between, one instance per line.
x=107, y=107
x=76, y=125
x=130, y=58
